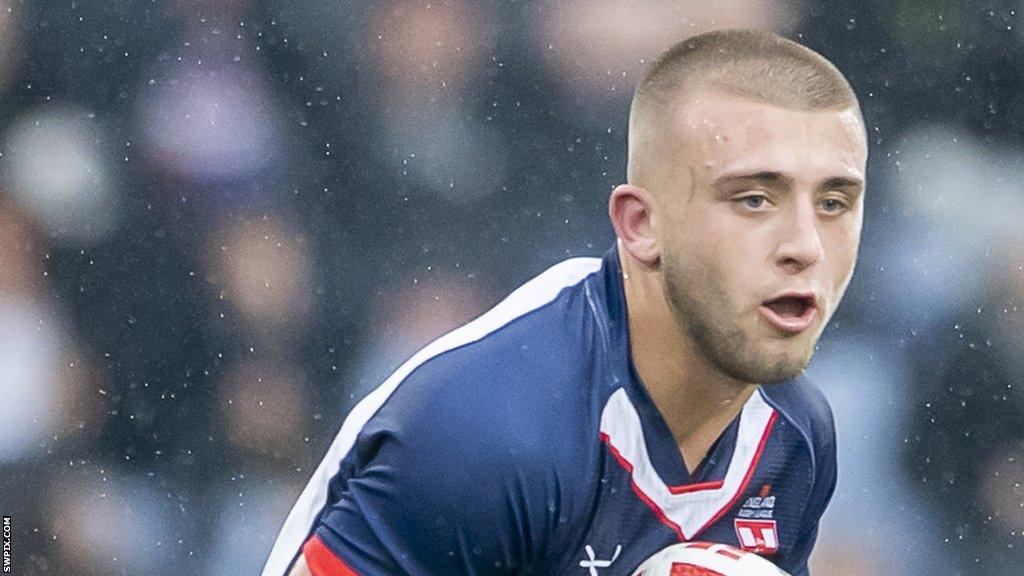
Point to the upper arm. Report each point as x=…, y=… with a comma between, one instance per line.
x=435, y=489
x=317, y=560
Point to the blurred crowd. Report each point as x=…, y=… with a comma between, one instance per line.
x=224, y=221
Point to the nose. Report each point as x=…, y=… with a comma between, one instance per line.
x=800, y=244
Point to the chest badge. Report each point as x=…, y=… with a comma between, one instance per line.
x=756, y=529
x=760, y=536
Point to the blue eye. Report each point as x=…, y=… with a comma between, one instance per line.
x=832, y=205
x=754, y=201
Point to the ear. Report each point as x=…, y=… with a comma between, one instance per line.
x=631, y=212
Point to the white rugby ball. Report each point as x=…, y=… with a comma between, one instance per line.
x=706, y=559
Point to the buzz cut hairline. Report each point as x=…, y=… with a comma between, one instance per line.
x=751, y=64
x=754, y=64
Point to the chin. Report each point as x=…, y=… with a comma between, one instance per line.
x=786, y=369
x=768, y=368
x=780, y=377
x=749, y=355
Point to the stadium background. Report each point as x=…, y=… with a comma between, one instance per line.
x=222, y=222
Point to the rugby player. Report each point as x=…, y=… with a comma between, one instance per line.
x=613, y=406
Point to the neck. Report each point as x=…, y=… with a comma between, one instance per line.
x=696, y=400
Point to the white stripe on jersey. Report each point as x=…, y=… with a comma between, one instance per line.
x=693, y=510
x=530, y=296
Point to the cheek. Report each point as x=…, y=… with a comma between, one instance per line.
x=844, y=246
x=726, y=260
x=701, y=269
x=706, y=234
x=710, y=254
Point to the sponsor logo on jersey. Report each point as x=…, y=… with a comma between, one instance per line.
x=591, y=563
x=761, y=506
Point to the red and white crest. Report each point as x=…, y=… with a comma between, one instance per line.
x=761, y=536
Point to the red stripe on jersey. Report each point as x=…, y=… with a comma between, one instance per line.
x=640, y=493
x=687, y=488
x=715, y=485
x=749, y=475
x=323, y=562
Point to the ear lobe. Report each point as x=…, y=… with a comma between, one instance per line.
x=630, y=211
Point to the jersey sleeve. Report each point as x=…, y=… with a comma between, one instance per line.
x=435, y=487
x=824, y=486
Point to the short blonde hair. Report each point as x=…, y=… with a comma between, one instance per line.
x=752, y=64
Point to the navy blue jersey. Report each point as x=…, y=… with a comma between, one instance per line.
x=524, y=443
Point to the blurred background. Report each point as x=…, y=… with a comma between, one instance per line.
x=224, y=221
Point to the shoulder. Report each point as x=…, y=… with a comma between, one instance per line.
x=804, y=405
x=461, y=440
x=500, y=385
x=807, y=410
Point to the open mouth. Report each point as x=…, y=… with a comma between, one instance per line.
x=791, y=313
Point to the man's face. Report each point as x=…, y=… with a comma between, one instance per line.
x=758, y=218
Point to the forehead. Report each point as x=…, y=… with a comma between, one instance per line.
x=720, y=132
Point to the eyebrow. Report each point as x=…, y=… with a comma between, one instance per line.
x=770, y=177
x=844, y=182
x=766, y=176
